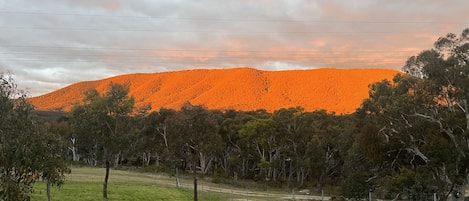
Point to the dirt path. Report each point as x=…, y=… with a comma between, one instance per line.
x=248, y=194
x=236, y=194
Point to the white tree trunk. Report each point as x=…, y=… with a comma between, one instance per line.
x=204, y=164
x=73, y=149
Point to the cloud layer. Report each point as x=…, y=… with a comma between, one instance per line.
x=50, y=44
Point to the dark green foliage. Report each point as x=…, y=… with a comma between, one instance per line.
x=356, y=186
x=420, y=124
x=102, y=127
x=27, y=150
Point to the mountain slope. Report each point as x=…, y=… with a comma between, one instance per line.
x=337, y=90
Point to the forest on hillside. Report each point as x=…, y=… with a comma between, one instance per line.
x=408, y=140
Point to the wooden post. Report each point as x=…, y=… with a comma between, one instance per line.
x=106, y=178
x=195, y=181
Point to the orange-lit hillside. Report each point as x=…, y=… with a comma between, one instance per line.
x=337, y=90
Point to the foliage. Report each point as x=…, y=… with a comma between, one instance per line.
x=356, y=187
x=422, y=122
x=83, y=191
x=103, y=127
x=27, y=151
x=289, y=146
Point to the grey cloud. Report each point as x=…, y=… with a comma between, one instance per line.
x=52, y=44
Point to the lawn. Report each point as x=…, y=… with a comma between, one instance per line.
x=90, y=191
x=85, y=184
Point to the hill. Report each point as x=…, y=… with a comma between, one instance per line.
x=336, y=90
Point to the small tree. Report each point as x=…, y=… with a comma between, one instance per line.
x=54, y=166
x=198, y=137
x=104, y=122
x=25, y=153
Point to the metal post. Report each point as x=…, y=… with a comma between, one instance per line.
x=369, y=195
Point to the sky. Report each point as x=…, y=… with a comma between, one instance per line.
x=49, y=44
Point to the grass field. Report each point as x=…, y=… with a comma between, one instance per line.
x=85, y=184
x=88, y=191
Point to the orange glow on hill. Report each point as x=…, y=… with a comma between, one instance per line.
x=335, y=90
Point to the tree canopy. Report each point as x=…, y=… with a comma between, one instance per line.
x=28, y=151
x=422, y=119
x=103, y=127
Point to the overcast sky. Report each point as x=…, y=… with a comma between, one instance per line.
x=49, y=44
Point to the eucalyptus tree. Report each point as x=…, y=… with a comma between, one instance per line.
x=154, y=138
x=398, y=143
x=196, y=140
x=102, y=125
x=54, y=165
x=423, y=120
x=445, y=73
x=261, y=140
x=26, y=152
x=232, y=161
x=301, y=158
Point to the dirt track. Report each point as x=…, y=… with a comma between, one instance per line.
x=229, y=193
x=244, y=194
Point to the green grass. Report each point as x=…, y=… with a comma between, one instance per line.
x=85, y=184
x=90, y=191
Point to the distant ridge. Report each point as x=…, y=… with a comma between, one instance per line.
x=335, y=90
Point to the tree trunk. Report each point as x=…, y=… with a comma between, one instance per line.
x=243, y=168
x=48, y=185
x=106, y=178
x=75, y=155
x=157, y=161
x=178, y=185
x=458, y=193
x=116, y=159
x=204, y=164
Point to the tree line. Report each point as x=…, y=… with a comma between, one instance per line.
x=408, y=140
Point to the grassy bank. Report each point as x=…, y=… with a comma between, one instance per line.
x=85, y=184
x=87, y=191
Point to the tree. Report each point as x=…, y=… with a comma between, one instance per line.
x=54, y=166
x=104, y=122
x=198, y=137
x=301, y=157
x=260, y=137
x=445, y=72
x=393, y=138
x=25, y=151
x=424, y=111
x=154, y=137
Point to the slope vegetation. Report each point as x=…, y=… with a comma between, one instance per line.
x=335, y=90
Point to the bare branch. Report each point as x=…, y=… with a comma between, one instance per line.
x=448, y=131
x=415, y=150
x=406, y=121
